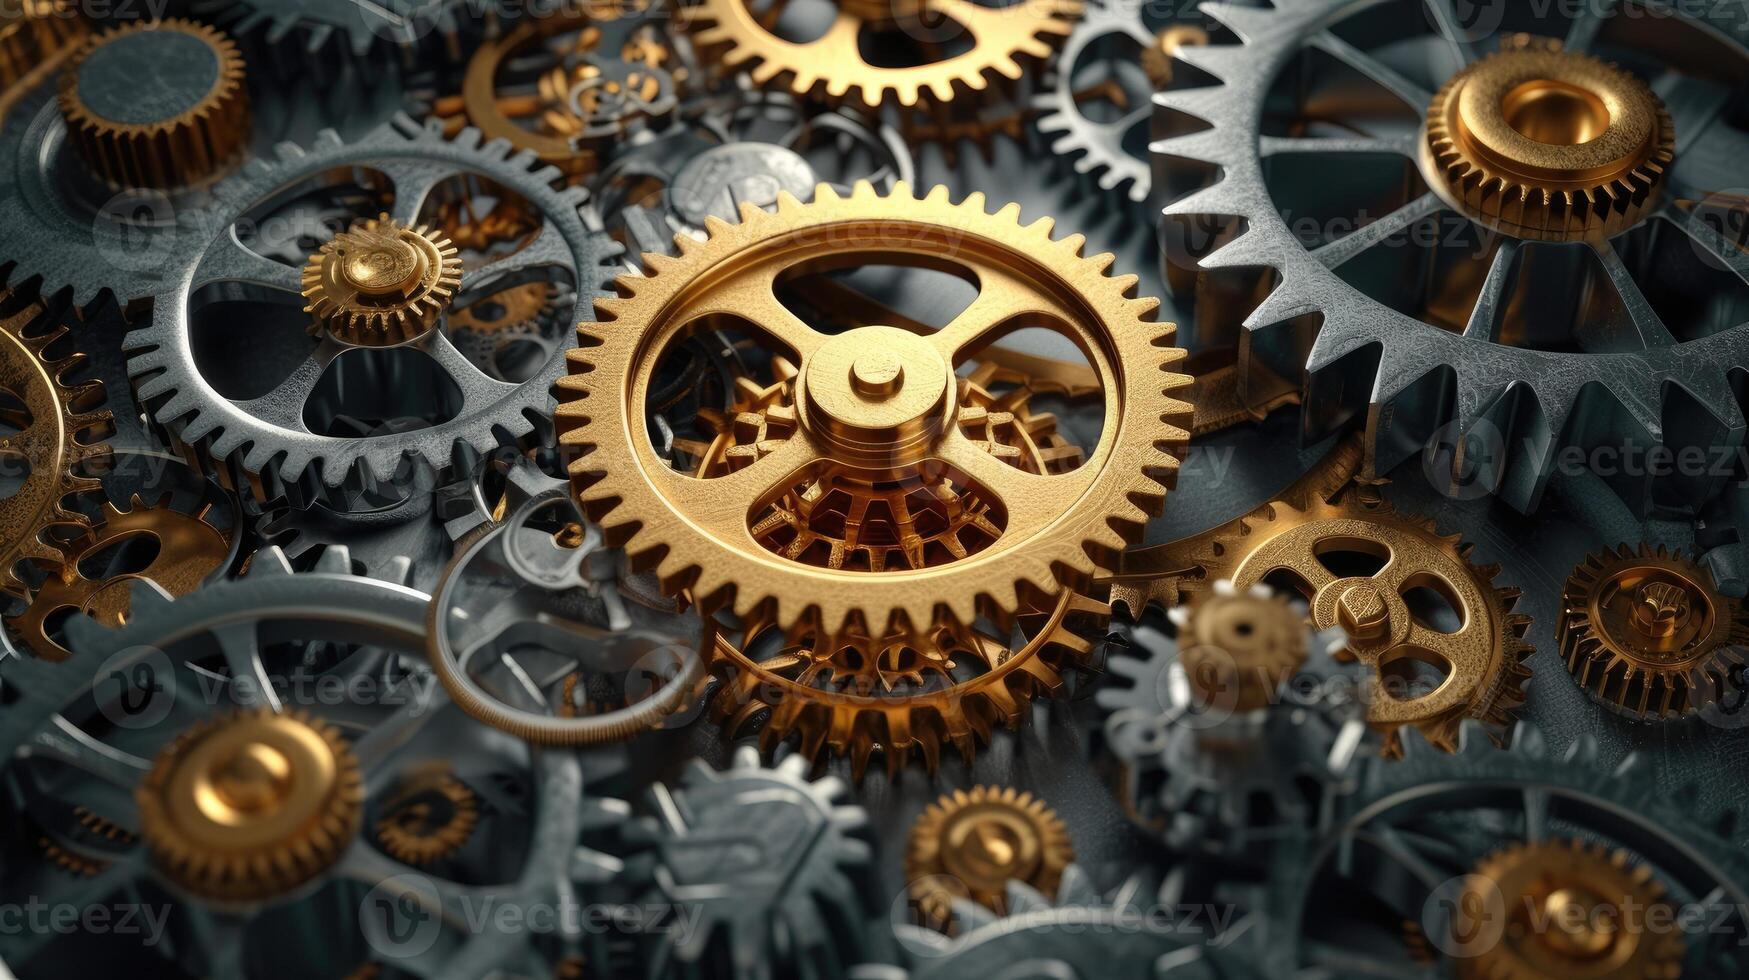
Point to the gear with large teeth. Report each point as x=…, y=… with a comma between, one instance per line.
x=361, y=32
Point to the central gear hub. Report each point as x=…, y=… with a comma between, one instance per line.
x=250, y=806
x=1549, y=144
x=878, y=394
x=381, y=283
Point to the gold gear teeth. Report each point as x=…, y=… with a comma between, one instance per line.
x=970, y=844
x=204, y=137
x=249, y=806
x=1005, y=40
x=32, y=32
x=429, y=820
x=1647, y=632
x=1058, y=530
x=381, y=283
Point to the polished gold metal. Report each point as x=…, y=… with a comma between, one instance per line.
x=32, y=32
x=195, y=144
x=1005, y=40
x=1549, y=144
x=381, y=283
x=249, y=806
x=970, y=844
x=704, y=535
x=429, y=818
x=1573, y=909
x=1241, y=642
x=1646, y=631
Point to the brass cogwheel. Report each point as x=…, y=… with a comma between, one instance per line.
x=32, y=32
x=1249, y=642
x=877, y=402
x=47, y=435
x=1549, y=144
x=137, y=123
x=188, y=550
x=249, y=806
x=90, y=827
x=1004, y=40
x=1571, y=909
x=970, y=844
x=1647, y=632
x=428, y=819
x=381, y=283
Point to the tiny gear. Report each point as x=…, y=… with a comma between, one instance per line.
x=970, y=844
x=381, y=283
x=252, y=805
x=1648, y=633
x=32, y=33
x=428, y=819
x=1003, y=40
x=157, y=104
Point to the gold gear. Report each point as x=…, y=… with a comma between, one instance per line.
x=879, y=400
x=90, y=825
x=1326, y=511
x=1005, y=40
x=45, y=433
x=970, y=844
x=429, y=819
x=200, y=140
x=1243, y=642
x=189, y=549
x=1569, y=909
x=1549, y=144
x=249, y=806
x=381, y=283
x=516, y=309
x=1648, y=632
x=32, y=32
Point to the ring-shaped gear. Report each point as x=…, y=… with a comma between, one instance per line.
x=1456, y=366
x=380, y=283
x=266, y=442
x=430, y=818
x=695, y=532
x=1005, y=40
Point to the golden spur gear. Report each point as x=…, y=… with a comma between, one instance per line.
x=251, y=805
x=1648, y=633
x=381, y=283
x=1549, y=144
x=970, y=844
x=1381, y=576
x=429, y=818
x=877, y=403
x=1003, y=41
x=32, y=33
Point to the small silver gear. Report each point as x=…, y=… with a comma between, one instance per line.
x=1098, y=148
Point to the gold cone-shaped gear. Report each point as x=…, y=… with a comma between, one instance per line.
x=1550, y=144
x=249, y=806
x=1647, y=632
x=197, y=141
x=970, y=844
x=381, y=283
x=1571, y=909
x=876, y=400
x=429, y=819
x=1004, y=40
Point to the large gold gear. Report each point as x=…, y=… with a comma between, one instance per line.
x=189, y=549
x=1549, y=144
x=380, y=283
x=1647, y=632
x=1572, y=909
x=249, y=806
x=879, y=400
x=49, y=431
x=196, y=142
x=970, y=844
x=1004, y=40
x=1482, y=661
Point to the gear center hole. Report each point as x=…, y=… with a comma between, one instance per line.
x=1555, y=113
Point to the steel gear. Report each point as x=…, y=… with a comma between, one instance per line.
x=357, y=31
x=1004, y=40
x=1413, y=319
x=970, y=844
x=178, y=124
x=693, y=531
x=380, y=283
x=1648, y=633
x=430, y=818
x=268, y=442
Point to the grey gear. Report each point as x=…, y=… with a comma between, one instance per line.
x=1093, y=147
x=355, y=29
x=1493, y=417
x=267, y=438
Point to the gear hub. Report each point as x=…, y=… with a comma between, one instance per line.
x=971, y=844
x=381, y=283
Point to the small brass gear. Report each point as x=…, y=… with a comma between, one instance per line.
x=428, y=819
x=970, y=844
x=1549, y=144
x=1647, y=632
x=1005, y=39
x=1248, y=642
x=157, y=104
x=250, y=805
x=1572, y=909
x=32, y=32
x=381, y=283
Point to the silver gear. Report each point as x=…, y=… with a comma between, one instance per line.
x=355, y=29
x=1096, y=148
x=266, y=439
x=1536, y=398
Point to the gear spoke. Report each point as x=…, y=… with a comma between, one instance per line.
x=72, y=745
x=284, y=405
x=1002, y=299
x=1446, y=20
x=1407, y=145
x=411, y=182
x=1335, y=253
x=1029, y=498
x=1582, y=32
x=241, y=646
x=1719, y=249
x=1485, y=315
x=534, y=260
x=1402, y=86
x=1594, y=332
x=229, y=260
x=478, y=388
